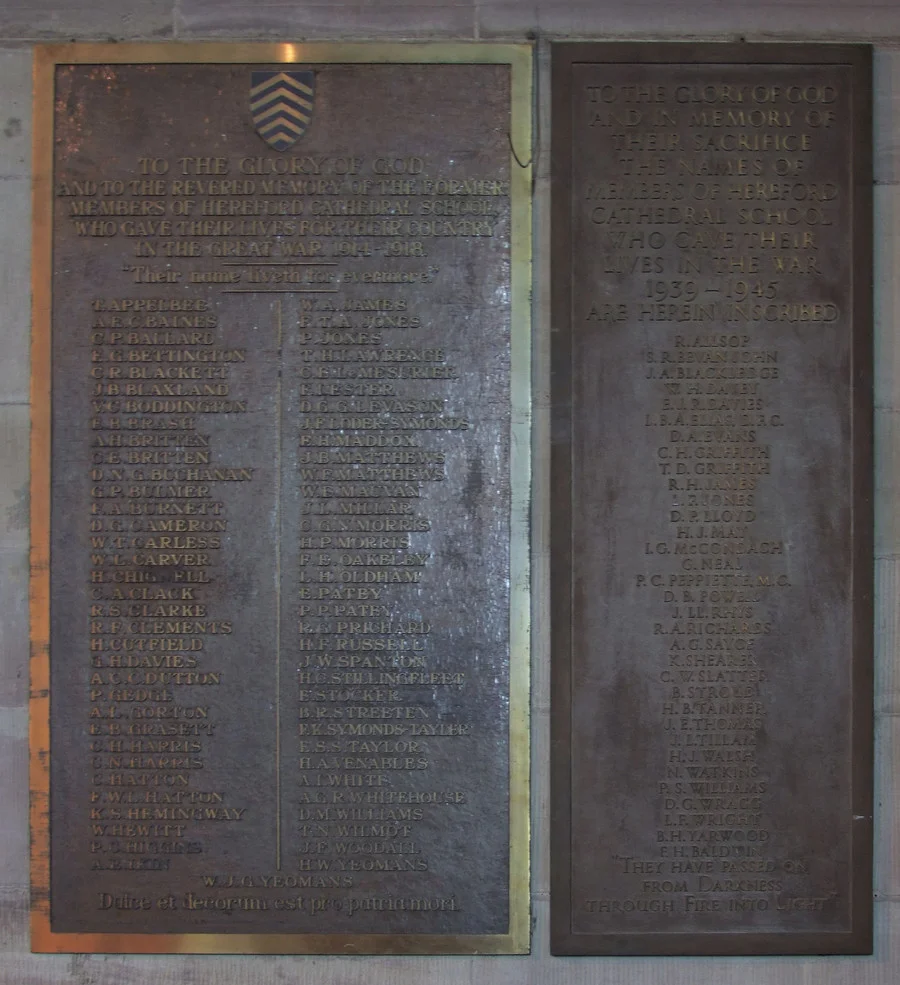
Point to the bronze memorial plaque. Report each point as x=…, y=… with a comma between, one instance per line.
x=281, y=471
x=712, y=499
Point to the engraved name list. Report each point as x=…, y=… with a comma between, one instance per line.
x=710, y=463
x=280, y=631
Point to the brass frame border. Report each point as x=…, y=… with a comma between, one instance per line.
x=519, y=58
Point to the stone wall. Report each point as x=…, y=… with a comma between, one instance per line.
x=25, y=22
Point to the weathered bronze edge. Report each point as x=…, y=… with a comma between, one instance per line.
x=711, y=945
x=858, y=940
x=260, y=52
x=863, y=549
x=333, y=944
x=39, y=587
x=710, y=52
x=517, y=940
x=560, y=498
x=521, y=86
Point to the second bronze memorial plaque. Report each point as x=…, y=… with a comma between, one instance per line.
x=712, y=529
x=281, y=479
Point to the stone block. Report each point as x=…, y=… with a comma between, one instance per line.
x=887, y=483
x=14, y=464
x=887, y=818
x=390, y=21
x=15, y=288
x=14, y=802
x=13, y=628
x=100, y=20
x=886, y=116
x=15, y=117
x=792, y=20
x=887, y=642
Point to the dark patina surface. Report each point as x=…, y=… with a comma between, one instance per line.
x=712, y=604
x=280, y=503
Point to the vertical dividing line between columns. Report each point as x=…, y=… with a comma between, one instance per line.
x=278, y=587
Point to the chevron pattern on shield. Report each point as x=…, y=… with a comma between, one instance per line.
x=281, y=105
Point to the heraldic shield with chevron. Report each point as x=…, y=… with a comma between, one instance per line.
x=281, y=105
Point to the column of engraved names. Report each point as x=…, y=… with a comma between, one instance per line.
x=162, y=389
x=711, y=228
x=713, y=615
x=364, y=634
x=382, y=416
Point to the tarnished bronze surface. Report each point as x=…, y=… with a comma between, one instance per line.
x=712, y=528
x=288, y=348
